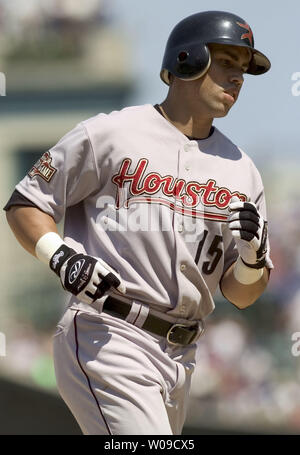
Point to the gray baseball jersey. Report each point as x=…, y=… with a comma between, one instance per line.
x=153, y=204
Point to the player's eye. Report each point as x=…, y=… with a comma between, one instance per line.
x=226, y=62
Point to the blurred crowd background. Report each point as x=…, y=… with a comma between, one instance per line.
x=66, y=60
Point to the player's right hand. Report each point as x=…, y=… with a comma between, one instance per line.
x=86, y=277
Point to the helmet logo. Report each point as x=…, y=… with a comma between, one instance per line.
x=248, y=35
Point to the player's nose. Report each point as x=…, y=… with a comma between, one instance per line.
x=237, y=78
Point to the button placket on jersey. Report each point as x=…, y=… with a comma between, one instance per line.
x=186, y=157
x=179, y=226
x=185, y=173
x=185, y=170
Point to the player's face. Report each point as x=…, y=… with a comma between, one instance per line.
x=214, y=94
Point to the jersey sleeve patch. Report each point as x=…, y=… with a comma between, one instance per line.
x=43, y=168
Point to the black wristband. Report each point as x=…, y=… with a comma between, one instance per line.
x=59, y=258
x=259, y=265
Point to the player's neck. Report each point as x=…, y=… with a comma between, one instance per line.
x=185, y=122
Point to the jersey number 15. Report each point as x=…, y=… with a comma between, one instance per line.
x=214, y=251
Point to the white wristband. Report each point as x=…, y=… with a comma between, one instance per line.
x=47, y=245
x=246, y=275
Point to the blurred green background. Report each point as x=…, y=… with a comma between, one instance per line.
x=65, y=61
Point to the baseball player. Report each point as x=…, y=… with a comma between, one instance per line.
x=160, y=208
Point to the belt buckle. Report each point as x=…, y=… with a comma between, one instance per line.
x=198, y=333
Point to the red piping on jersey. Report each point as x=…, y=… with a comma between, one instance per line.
x=183, y=210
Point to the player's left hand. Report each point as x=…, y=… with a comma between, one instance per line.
x=250, y=232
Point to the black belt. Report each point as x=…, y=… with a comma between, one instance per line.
x=177, y=334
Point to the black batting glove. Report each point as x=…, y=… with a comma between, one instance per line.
x=86, y=277
x=250, y=232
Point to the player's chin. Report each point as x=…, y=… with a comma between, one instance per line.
x=222, y=111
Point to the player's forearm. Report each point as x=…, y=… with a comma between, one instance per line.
x=242, y=295
x=29, y=224
x=37, y=233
